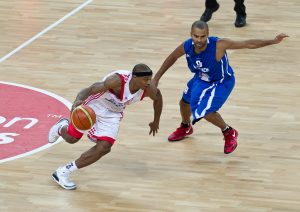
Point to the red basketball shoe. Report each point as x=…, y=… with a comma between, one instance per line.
x=180, y=133
x=230, y=138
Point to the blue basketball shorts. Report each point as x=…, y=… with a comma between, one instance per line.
x=186, y=97
x=206, y=97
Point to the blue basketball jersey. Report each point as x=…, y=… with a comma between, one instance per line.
x=205, y=64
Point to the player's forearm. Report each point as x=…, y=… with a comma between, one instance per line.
x=82, y=95
x=257, y=43
x=93, y=89
x=165, y=66
x=157, y=106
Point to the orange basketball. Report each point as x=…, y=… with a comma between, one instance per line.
x=83, y=117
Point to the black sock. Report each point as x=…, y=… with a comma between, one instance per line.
x=185, y=125
x=227, y=128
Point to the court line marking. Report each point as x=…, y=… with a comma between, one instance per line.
x=48, y=145
x=45, y=30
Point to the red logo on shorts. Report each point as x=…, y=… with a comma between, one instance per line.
x=26, y=115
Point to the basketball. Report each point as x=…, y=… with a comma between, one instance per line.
x=83, y=117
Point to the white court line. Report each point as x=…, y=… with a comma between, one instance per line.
x=45, y=30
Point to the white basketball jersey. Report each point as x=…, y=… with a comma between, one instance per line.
x=110, y=101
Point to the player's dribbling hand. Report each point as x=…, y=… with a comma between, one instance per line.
x=154, y=126
x=280, y=37
x=76, y=103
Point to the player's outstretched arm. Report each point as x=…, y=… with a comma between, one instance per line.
x=154, y=93
x=169, y=61
x=110, y=82
x=249, y=44
x=224, y=44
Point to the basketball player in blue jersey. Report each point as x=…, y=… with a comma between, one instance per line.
x=213, y=79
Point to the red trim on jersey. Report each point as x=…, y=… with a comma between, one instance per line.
x=72, y=131
x=103, y=138
x=123, y=85
x=92, y=97
x=143, y=95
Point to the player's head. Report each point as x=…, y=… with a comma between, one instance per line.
x=142, y=75
x=199, y=34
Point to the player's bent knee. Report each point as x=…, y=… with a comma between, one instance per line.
x=183, y=102
x=210, y=116
x=103, y=147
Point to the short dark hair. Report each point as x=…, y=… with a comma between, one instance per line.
x=141, y=69
x=200, y=25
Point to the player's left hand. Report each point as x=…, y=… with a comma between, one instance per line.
x=154, y=126
x=280, y=37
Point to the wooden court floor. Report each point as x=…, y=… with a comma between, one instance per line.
x=145, y=173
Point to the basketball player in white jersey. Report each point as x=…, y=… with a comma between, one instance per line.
x=108, y=99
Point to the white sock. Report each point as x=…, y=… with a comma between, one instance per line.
x=71, y=167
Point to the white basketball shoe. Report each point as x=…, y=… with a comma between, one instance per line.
x=62, y=178
x=53, y=133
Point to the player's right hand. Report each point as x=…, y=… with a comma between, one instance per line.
x=76, y=103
